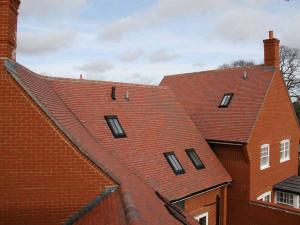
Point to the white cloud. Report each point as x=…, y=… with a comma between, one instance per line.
x=163, y=11
x=162, y=56
x=33, y=43
x=199, y=64
x=291, y=36
x=242, y=23
x=96, y=67
x=43, y=8
x=138, y=78
x=132, y=55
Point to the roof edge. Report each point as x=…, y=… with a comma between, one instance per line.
x=212, y=141
x=90, y=206
x=131, y=212
x=202, y=191
x=212, y=70
x=262, y=104
x=11, y=68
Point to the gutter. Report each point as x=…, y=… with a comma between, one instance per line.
x=237, y=143
x=202, y=192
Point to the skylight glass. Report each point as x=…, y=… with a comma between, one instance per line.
x=174, y=163
x=195, y=158
x=226, y=100
x=115, y=126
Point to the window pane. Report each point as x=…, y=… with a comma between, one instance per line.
x=285, y=198
x=226, y=99
x=264, y=155
x=118, y=127
x=115, y=126
x=174, y=163
x=202, y=221
x=195, y=158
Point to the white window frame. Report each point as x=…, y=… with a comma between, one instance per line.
x=296, y=200
x=264, y=195
x=201, y=216
x=267, y=165
x=285, y=150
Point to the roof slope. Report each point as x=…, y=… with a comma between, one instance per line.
x=133, y=189
x=290, y=185
x=201, y=93
x=154, y=122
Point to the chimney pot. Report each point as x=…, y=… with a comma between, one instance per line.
x=113, y=93
x=81, y=77
x=271, y=34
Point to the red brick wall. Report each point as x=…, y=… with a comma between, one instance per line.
x=8, y=27
x=271, y=214
x=206, y=202
x=108, y=212
x=235, y=161
x=275, y=123
x=43, y=178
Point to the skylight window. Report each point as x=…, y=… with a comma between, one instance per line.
x=226, y=100
x=195, y=159
x=115, y=126
x=174, y=163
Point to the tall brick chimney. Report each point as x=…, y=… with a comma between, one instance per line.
x=271, y=48
x=8, y=28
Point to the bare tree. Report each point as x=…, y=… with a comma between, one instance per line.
x=290, y=68
x=237, y=63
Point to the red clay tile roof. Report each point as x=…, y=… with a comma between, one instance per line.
x=201, y=93
x=154, y=123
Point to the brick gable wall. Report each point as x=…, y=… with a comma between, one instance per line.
x=44, y=178
x=276, y=122
x=102, y=214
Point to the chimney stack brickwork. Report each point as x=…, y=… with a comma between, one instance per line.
x=8, y=28
x=271, y=51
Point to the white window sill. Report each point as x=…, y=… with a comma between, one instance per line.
x=264, y=167
x=284, y=160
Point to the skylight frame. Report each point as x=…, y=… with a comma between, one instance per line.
x=191, y=151
x=227, y=102
x=171, y=155
x=115, y=126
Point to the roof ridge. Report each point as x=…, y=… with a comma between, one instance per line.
x=215, y=70
x=67, y=79
x=87, y=80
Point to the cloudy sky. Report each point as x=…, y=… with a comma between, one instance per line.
x=142, y=40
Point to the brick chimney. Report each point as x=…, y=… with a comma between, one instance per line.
x=271, y=48
x=8, y=28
